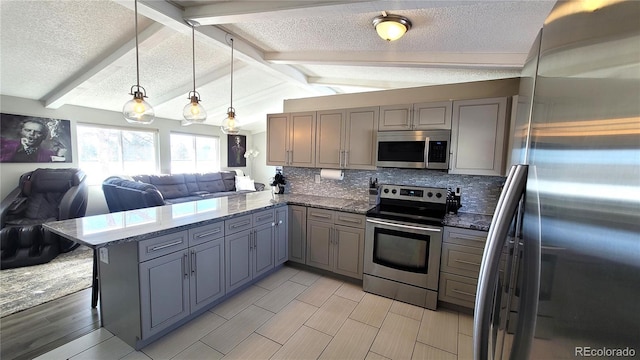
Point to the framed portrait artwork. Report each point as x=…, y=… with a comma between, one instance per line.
x=237, y=146
x=29, y=139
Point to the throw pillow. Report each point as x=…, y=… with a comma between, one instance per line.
x=244, y=183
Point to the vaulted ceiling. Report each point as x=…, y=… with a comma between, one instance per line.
x=79, y=52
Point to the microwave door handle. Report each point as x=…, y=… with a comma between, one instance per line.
x=426, y=152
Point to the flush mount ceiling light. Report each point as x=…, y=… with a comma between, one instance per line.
x=136, y=110
x=230, y=125
x=193, y=112
x=391, y=27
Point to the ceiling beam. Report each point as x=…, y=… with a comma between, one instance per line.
x=412, y=59
x=101, y=68
x=229, y=12
x=173, y=17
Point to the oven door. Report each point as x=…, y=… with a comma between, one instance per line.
x=403, y=252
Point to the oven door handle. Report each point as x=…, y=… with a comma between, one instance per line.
x=403, y=226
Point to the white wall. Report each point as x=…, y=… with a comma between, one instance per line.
x=261, y=172
x=459, y=91
x=10, y=172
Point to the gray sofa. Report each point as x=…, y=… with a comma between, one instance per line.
x=140, y=191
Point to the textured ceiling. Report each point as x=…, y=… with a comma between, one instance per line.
x=77, y=52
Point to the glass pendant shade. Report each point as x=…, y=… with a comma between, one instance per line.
x=230, y=124
x=136, y=110
x=391, y=27
x=193, y=112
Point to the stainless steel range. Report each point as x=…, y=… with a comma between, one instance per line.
x=402, y=244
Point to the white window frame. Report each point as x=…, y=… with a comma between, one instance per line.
x=195, y=169
x=96, y=179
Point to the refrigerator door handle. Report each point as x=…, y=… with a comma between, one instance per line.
x=505, y=210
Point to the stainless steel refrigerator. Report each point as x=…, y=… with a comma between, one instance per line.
x=560, y=277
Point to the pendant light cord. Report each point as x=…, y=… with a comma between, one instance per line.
x=231, y=39
x=137, y=60
x=193, y=47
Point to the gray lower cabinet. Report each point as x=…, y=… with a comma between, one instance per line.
x=164, y=292
x=249, y=248
x=460, y=265
x=281, y=235
x=175, y=285
x=335, y=241
x=298, y=233
x=149, y=287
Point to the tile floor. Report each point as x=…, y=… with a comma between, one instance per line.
x=295, y=314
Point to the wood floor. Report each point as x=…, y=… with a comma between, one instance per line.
x=40, y=329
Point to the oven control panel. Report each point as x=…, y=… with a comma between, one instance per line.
x=414, y=193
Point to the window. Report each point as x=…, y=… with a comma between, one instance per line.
x=194, y=153
x=105, y=151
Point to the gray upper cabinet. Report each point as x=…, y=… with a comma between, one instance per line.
x=346, y=139
x=421, y=116
x=291, y=139
x=329, y=138
x=478, y=133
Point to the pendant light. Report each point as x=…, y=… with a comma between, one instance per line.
x=230, y=125
x=391, y=27
x=136, y=110
x=193, y=112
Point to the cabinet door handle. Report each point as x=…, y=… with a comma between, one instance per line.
x=185, y=260
x=355, y=221
x=200, y=236
x=279, y=222
x=193, y=262
x=245, y=223
x=467, y=237
x=160, y=247
x=467, y=262
x=463, y=292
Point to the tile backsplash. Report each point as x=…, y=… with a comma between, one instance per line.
x=479, y=193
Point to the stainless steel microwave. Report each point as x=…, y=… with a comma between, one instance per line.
x=414, y=149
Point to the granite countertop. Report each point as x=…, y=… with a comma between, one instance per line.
x=347, y=205
x=468, y=221
x=134, y=225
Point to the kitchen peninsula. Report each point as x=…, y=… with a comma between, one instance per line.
x=160, y=267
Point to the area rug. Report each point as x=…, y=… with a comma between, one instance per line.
x=28, y=286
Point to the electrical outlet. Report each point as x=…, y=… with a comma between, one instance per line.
x=104, y=255
x=318, y=179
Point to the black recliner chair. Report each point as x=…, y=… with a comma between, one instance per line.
x=42, y=195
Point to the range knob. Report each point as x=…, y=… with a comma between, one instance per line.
x=438, y=195
x=394, y=191
x=386, y=191
x=429, y=194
